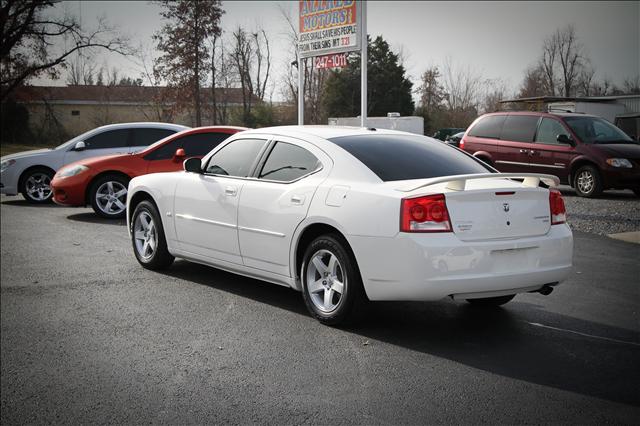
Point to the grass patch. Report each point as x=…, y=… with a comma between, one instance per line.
x=9, y=148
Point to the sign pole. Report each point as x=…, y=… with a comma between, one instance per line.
x=364, y=44
x=300, y=91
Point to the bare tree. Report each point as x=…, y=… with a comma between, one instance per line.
x=495, y=91
x=81, y=70
x=533, y=83
x=571, y=57
x=631, y=85
x=586, y=81
x=462, y=86
x=548, y=64
x=250, y=57
x=28, y=38
x=182, y=40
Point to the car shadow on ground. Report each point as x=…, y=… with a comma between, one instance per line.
x=94, y=218
x=504, y=341
x=25, y=203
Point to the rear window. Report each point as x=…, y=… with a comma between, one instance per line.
x=401, y=157
x=488, y=127
x=519, y=128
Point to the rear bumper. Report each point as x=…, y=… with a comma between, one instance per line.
x=434, y=266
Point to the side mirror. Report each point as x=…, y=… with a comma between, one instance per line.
x=80, y=146
x=565, y=139
x=179, y=154
x=192, y=165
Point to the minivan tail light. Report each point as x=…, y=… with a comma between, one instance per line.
x=556, y=204
x=461, y=144
x=424, y=214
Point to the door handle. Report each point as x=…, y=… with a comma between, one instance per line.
x=531, y=153
x=522, y=151
x=297, y=199
x=230, y=191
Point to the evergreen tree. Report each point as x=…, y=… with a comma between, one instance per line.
x=388, y=88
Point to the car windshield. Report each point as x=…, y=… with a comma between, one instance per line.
x=402, y=157
x=596, y=130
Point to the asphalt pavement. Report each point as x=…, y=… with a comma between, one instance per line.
x=88, y=336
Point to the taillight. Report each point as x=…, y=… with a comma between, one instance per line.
x=424, y=214
x=461, y=144
x=558, y=211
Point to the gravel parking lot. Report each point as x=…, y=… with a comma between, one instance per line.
x=614, y=212
x=88, y=336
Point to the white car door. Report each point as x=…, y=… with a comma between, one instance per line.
x=206, y=205
x=104, y=143
x=274, y=204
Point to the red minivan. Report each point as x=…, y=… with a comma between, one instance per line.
x=584, y=151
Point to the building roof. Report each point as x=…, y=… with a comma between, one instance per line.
x=81, y=94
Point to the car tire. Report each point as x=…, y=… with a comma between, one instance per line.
x=35, y=185
x=487, y=302
x=331, y=283
x=107, y=198
x=587, y=182
x=148, y=239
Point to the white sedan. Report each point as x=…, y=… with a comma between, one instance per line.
x=346, y=215
x=30, y=172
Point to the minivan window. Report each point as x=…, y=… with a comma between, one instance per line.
x=488, y=127
x=549, y=130
x=236, y=158
x=519, y=128
x=400, y=157
x=288, y=162
x=596, y=130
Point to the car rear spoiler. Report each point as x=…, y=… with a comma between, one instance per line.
x=459, y=182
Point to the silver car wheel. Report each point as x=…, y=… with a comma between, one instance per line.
x=145, y=235
x=585, y=181
x=325, y=280
x=111, y=197
x=38, y=186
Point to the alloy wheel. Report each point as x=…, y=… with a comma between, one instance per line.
x=145, y=235
x=585, y=181
x=325, y=280
x=111, y=197
x=38, y=186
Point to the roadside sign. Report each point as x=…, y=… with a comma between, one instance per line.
x=329, y=27
x=339, y=60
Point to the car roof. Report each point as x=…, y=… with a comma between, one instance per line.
x=542, y=113
x=143, y=124
x=321, y=131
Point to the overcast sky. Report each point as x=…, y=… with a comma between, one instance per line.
x=498, y=39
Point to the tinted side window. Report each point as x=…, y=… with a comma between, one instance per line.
x=164, y=152
x=519, y=128
x=201, y=144
x=288, y=162
x=236, y=158
x=549, y=130
x=399, y=157
x=145, y=137
x=488, y=127
x=108, y=139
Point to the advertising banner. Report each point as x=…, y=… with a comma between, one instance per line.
x=328, y=27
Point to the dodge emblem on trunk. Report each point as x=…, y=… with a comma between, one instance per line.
x=505, y=207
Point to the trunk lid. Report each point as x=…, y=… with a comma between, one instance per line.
x=499, y=213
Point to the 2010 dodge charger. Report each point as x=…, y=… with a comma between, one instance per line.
x=350, y=214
